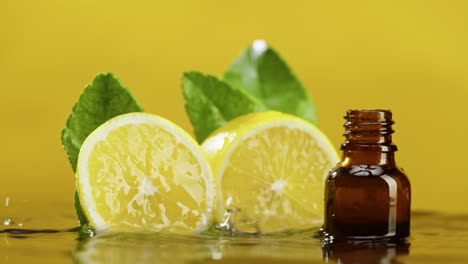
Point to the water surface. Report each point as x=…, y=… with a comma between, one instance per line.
x=436, y=238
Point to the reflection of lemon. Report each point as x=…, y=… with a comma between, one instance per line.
x=126, y=247
x=269, y=170
x=142, y=171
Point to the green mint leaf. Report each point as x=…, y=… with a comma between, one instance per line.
x=79, y=211
x=210, y=103
x=261, y=72
x=105, y=98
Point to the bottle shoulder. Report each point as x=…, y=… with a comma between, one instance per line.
x=346, y=170
x=368, y=176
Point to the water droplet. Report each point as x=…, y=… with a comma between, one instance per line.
x=8, y=222
x=259, y=46
x=225, y=224
x=7, y=201
x=228, y=201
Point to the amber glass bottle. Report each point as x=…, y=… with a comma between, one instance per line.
x=366, y=195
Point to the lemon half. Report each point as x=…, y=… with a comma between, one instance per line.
x=269, y=170
x=142, y=172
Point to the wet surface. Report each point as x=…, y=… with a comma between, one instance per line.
x=436, y=238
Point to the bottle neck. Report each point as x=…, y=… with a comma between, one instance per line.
x=368, y=135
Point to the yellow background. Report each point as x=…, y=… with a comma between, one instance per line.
x=408, y=56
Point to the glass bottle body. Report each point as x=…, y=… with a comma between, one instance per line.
x=366, y=195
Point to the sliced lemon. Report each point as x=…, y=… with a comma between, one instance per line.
x=269, y=170
x=140, y=171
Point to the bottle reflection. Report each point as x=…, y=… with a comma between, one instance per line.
x=364, y=252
